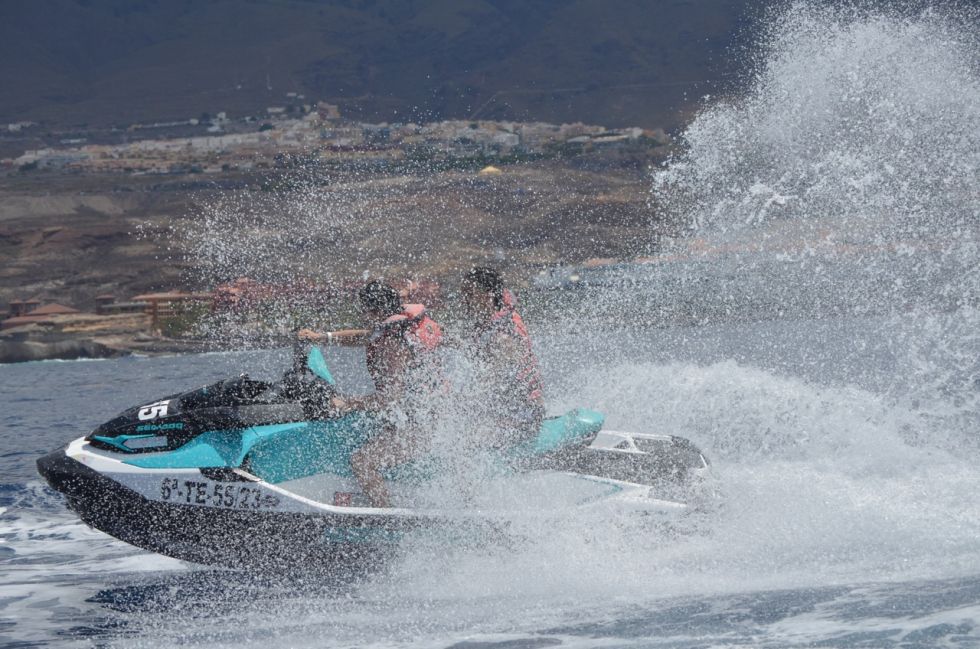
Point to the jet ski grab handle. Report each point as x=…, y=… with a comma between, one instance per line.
x=307, y=357
x=316, y=363
x=309, y=380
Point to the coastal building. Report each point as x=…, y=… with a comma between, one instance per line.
x=17, y=127
x=38, y=315
x=327, y=111
x=245, y=294
x=107, y=305
x=18, y=308
x=167, y=305
x=323, y=134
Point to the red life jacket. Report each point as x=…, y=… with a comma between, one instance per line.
x=413, y=329
x=508, y=321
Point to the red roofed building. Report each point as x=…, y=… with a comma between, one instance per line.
x=165, y=305
x=53, y=309
x=40, y=314
x=245, y=294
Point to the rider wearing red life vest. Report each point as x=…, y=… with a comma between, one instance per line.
x=502, y=346
x=400, y=346
x=412, y=334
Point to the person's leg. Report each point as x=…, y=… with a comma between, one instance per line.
x=390, y=448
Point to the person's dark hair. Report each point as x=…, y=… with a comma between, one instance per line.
x=487, y=280
x=380, y=298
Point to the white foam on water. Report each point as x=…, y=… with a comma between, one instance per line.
x=45, y=544
x=818, y=488
x=858, y=141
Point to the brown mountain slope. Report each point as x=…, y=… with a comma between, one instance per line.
x=144, y=234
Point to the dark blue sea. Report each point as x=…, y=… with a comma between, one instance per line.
x=842, y=523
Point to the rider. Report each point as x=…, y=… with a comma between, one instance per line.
x=405, y=372
x=501, y=346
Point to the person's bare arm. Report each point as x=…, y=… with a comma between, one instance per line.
x=343, y=337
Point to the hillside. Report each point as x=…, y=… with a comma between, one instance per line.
x=615, y=62
x=69, y=238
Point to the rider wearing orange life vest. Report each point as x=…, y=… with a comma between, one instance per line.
x=502, y=346
x=412, y=331
x=404, y=370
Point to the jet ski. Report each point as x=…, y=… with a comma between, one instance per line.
x=250, y=474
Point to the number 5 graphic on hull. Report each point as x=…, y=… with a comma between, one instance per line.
x=154, y=410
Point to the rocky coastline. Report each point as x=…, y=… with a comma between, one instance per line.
x=68, y=338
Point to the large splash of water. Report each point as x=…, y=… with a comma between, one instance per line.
x=860, y=124
x=843, y=180
x=846, y=180
x=842, y=184
x=848, y=172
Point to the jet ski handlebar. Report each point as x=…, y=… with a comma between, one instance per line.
x=309, y=380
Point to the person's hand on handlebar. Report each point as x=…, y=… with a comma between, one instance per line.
x=312, y=336
x=343, y=337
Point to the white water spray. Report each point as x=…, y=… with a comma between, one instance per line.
x=841, y=186
x=846, y=180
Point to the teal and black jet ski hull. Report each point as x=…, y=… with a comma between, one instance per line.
x=254, y=475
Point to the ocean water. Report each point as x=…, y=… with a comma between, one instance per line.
x=827, y=361
x=836, y=529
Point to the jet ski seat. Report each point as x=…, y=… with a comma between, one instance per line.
x=558, y=432
x=308, y=450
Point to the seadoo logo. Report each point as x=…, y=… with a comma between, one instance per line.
x=149, y=428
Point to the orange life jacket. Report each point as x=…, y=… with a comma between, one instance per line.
x=412, y=328
x=527, y=377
